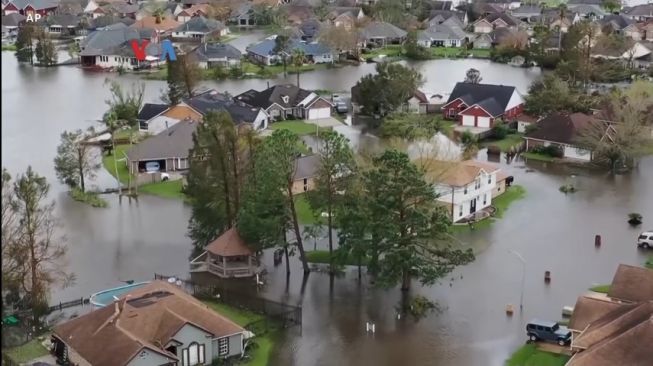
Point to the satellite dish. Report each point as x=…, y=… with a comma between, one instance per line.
x=171, y=280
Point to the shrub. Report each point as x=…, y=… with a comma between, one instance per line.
x=91, y=198
x=220, y=73
x=500, y=130
x=634, y=218
x=568, y=188
x=550, y=150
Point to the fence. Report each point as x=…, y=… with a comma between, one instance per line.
x=281, y=314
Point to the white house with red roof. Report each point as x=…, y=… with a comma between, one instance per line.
x=479, y=105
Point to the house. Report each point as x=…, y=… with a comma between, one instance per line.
x=243, y=15
x=265, y=52
x=309, y=30
x=210, y=55
x=607, y=329
x=148, y=112
x=382, y=33
x=588, y=11
x=640, y=13
x=12, y=22
x=647, y=30
x=616, y=23
x=228, y=256
x=156, y=324
x=61, y=25
x=283, y=101
x=296, y=14
x=306, y=169
x=449, y=33
x=562, y=130
x=524, y=121
x=424, y=103
x=110, y=47
x=124, y=10
x=346, y=17
x=527, y=13
x=200, y=29
x=198, y=106
x=169, y=148
x=439, y=16
x=494, y=21
x=90, y=6
x=551, y=17
x=479, y=105
x=162, y=26
x=640, y=55
x=194, y=11
x=30, y=8
x=466, y=187
x=482, y=41
x=505, y=4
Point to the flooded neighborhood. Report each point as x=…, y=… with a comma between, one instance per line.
x=550, y=221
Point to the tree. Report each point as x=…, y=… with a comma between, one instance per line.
x=74, y=161
x=552, y=94
x=183, y=77
x=627, y=135
x=389, y=88
x=175, y=88
x=281, y=47
x=45, y=52
x=73, y=50
x=12, y=260
x=473, y=76
x=298, y=59
x=125, y=105
x=339, y=38
x=517, y=41
x=410, y=126
x=24, y=43
x=334, y=176
x=220, y=163
x=469, y=143
x=562, y=14
x=414, y=50
x=38, y=255
x=410, y=223
x=611, y=5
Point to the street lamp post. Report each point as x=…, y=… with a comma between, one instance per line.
x=523, y=276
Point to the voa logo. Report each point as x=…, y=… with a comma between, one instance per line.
x=167, y=51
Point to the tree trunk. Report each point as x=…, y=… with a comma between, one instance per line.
x=405, y=281
x=285, y=251
x=298, y=77
x=234, y=158
x=329, y=227
x=359, y=268
x=298, y=234
x=115, y=161
x=80, y=163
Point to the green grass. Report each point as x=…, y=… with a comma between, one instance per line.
x=298, y=127
x=322, y=256
x=538, y=157
x=305, y=213
x=9, y=47
x=506, y=143
x=260, y=355
x=27, y=352
x=529, y=355
x=167, y=189
x=108, y=163
x=601, y=289
x=649, y=262
x=393, y=50
x=90, y=198
x=501, y=203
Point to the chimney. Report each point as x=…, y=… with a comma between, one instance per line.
x=268, y=84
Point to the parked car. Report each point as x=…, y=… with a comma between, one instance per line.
x=549, y=331
x=645, y=240
x=152, y=166
x=342, y=107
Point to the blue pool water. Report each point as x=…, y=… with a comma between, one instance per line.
x=106, y=297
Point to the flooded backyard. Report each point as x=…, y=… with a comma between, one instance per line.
x=552, y=231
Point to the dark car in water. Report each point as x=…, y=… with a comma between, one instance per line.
x=549, y=331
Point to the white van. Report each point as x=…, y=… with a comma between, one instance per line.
x=645, y=240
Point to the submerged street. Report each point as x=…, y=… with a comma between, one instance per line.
x=552, y=231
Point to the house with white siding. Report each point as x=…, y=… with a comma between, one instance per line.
x=152, y=325
x=110, y=47
x=200, y=29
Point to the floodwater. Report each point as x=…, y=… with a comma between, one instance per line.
x=550, y=230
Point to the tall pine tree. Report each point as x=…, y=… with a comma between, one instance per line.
x=175, y=89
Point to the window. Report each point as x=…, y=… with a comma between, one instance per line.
x=489, y=179
x=305, y=185
x=223, y=346
x=465, y=190
x=460, y=212
x=193, y=351
x=477, y=184
x=484, y=198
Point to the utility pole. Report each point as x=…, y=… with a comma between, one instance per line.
x=523, y=276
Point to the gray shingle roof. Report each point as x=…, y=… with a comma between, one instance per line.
x=382, y=30
x=211, y=100
x=113, y=40
x=208, y=51
x=201, y=24
x=493, y=98
x=450, y=29
x=306, y=167
x=174, y=142
x=13, y=20
x=617, y=21
x=640, y=10
x=266, y=48
x=275, y=94
x=64, y=20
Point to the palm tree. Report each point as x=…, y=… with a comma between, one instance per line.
x=158, y=14
x=298, y=59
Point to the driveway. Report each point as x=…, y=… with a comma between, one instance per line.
x=325, y=122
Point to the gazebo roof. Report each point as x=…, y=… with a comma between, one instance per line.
x=229, y=244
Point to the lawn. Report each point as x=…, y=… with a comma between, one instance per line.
x=649, y=262
x=322, y=256
x=501, y=203
x=305, y=214
x=601, y=289
x=27, y=352
x=538, y=157
x=108, y=162
x=167, y=189
x=390, y=51
x=298, y=127
x=9, y=47
x=529, y=355
x=260, y=355
x=506, y=143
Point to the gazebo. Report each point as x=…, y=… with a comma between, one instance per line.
x=228, y=256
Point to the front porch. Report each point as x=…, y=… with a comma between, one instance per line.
x=226, y=267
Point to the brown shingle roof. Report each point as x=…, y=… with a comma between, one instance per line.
x=589, y=309
x=150, y=316
x=165, y=25
x=560, y=127
x=632, y=283
x=614, y=323
x=456, y=174
x=229, y=244
x=306, y=167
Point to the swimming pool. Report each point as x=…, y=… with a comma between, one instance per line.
x=106, y=297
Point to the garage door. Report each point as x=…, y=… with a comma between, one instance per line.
x=468, y=121
x=316, y=113
x=484, y=122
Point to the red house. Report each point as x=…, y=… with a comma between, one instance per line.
x=31, y=7
x=479, y=105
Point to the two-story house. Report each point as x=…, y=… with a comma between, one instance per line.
x=479, y=105
x=466, y=187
